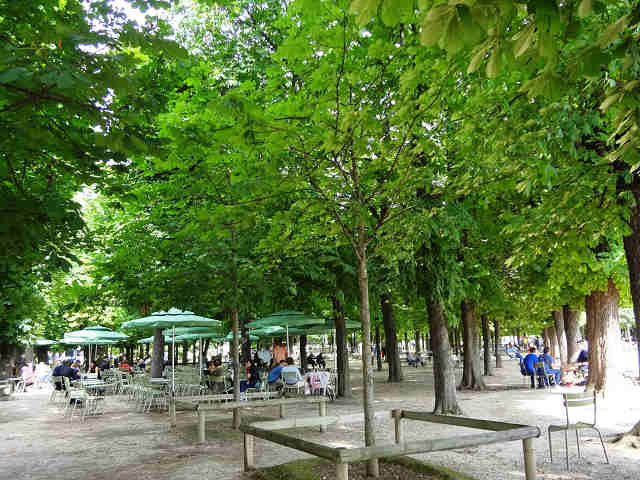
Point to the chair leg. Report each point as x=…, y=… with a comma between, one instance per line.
x=578, y=443
x=550, y=446
x=606, y=456
x=566, y=446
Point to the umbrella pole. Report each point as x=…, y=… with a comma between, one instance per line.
x=288, y=350
x=335, y=352
x=173, y=360
x=200, y=358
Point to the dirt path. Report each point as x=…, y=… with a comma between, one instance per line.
x=36, y=443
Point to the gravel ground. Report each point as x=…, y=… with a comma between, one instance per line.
x=36, y=443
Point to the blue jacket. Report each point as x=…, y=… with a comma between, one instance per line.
x=548, y=362
x=274, y=374
x=72, y=373
x=529, y=362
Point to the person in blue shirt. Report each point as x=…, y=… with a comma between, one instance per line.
x=68, y=371
x=276, y=372
x=548, y=366
x=528, y=363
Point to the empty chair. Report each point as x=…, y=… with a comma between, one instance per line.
x=574, y=400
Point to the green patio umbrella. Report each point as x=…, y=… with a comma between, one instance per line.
x=172, y=318
x=229, y=337
x=43, y=342
x=97, y=335
x=286, y=319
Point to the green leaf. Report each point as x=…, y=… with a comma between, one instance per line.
x=431, y=33
x=478, y=57
x=495, y=62
x=613, y=31
x=393, y=10
x=610, y=100
x=453, y=40
x=12, y=74
x=365, y=10
x=523, y=40
x=585, y=8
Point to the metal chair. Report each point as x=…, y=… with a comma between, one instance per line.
x=543, y=378
x=294, y=385
x=572, y=400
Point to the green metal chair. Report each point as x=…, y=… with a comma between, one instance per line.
x=573, y=400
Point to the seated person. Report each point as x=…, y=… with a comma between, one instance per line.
x=411, y=360
x=26, y=372
x=276, y=373
x=93, y=368
x=311, y=361
x=253, y=377
x=217, y=373
x=512, y=351
x=528, y=365
x=548, y=366
x=68, y=371
x=583, y=356
x=124, y=366
x=320, y=361
x=141, y=364
x=291, y=368
x=418, y=360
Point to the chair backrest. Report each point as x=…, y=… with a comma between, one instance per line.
x=581, y=399
x=538, y=365
x=289, y=378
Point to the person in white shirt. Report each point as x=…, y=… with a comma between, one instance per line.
x=291, y=367
x=264, y=355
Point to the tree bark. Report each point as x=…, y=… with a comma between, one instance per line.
x=246, y=343
x=185, y=353
x=378, y=352
x=342, y=356
x=497, y=347
x=205, y=350
x=157, y=360
x=367, y=371
x=417, y=340
x=632, y=251
x=235, y=359
x=571, y=330
x=389, y=322
x=558, y=324
x=471, y=375
x=444, y=381
x=486, y=339
x=303, y=353
x=553, y=341
x=603, y=334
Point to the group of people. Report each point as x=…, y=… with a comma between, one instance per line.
x=252, y=373
x=548, y=369
x=413, y=359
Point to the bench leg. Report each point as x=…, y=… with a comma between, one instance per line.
x=323, y=413
x=202, y=418
x=529, y=459
x=397, y=417
x=342, y=471
x=249, y=456
x=283, y=410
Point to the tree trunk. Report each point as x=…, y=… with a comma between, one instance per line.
x=342, y=356
x=378, y=352
x=571, y=330
x=632, y=251
x=406, y=342
x=367, y=372
x=497, y=347
x=444, y=381
x=558, y=323
x=553, y=341
x=157, y=360
x=603, y=335
x=205, y=350
x=546, y=339
x=303, y=353
x=185, y=353
x=235, y=359
x=417, y=340
x=486, y=339
x=471, y=375
x=389, y=322
x=246, y=343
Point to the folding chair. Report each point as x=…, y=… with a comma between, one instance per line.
x=572, y=400
x=294, y=386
